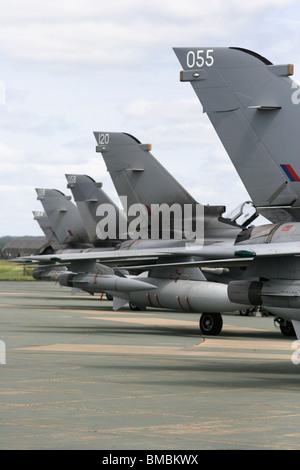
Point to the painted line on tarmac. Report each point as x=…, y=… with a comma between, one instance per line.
x=217, y=348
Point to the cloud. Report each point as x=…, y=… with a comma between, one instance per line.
x=172, y=110
x=117, y=33
x=22, y=120
x=74, y=67
x=179, y=121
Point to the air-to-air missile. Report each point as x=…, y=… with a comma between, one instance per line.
x=102, y=283
x=46, y=273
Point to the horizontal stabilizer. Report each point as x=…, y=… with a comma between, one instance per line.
x=264, y=107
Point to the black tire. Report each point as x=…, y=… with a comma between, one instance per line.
x=134, y=307
x=244, y=312
x=286, y=328
x=211, y=324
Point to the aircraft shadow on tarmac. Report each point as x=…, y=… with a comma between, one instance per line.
x=158, y=330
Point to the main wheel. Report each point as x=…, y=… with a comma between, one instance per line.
x=286, y=328
x=211, y=323
x=134, y=307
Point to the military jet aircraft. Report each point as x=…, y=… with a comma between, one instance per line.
x=63, y=227
x=67, y=232
x=176, y=289
x=252, y=105
x=175, y=283
x=165, y=286
x=65, y=220
x=268, y=267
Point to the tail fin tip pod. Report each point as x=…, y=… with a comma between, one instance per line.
x=252, y=105
x=107, y=139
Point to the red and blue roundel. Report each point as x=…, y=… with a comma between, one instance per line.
x=290, y=172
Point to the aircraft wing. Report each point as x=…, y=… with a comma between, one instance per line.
x=220, y=253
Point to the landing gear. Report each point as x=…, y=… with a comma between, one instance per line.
x=135, y=308
x=211, y=323
x=286, y=327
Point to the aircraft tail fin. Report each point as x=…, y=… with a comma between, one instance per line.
x=43, y=221
x=137, y=175
x=252, y=104
x=64, y=218
x=89, y=195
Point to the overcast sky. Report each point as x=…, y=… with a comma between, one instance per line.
x=69, y=68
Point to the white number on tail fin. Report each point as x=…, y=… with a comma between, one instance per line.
x=199, y=59
x=103, y=139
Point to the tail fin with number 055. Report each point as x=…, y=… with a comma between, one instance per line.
x=254, y=107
